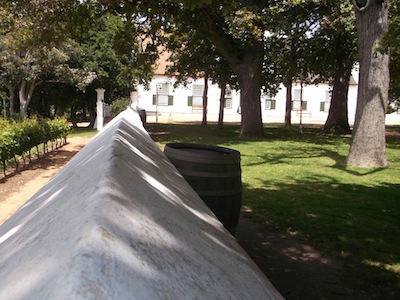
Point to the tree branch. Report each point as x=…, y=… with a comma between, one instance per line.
x=222, y=41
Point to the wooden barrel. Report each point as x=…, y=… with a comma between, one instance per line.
x=215, y=174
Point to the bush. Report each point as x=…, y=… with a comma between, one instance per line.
x=118, y=106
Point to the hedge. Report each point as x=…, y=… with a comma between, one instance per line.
x=17, y=138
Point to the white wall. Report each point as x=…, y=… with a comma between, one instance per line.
x=181, y=94
x=313, y=94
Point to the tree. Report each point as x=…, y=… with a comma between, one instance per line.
x=224, y=77
x=8, y=77
x=193, y=56
x=101, y=56
x=337, y=46
x=26, y=70
x=37, y=33
x=236, y=29
x=368, y=140
x=292, y=33
x=112, y=51
x=35, y=46
x=190, y=59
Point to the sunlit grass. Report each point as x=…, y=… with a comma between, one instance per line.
x=300, y=183
x=83, y=132
x=388, y=267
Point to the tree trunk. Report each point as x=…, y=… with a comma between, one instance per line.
x=288, y=110
x=11, y=98
x=337, y=121
x=247, y=63
x=12, y=102
x=25, y=95
x=250, y=92
x=74, y=121
x=249, y=78
x=23, y=101
x=368, y=141
x=92, y=114
x=205, y=99
x=221, y=105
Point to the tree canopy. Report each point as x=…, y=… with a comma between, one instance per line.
x=243, y=33
x=69, y=42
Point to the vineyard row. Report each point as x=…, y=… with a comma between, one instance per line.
x=19, y=138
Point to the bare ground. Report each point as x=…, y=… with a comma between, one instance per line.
x=297, y=270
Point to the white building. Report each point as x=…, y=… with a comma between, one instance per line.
x=185, y=103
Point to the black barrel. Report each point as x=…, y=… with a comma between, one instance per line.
x=215, y=174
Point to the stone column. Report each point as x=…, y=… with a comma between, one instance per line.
x=134, y=99
x=100, y=109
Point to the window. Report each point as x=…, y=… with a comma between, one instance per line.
x=228, y=103
x=296, y=100
x=270, y=104
x=162, y=92
x=163, y=88
x=228, y=98
x=162, y=97
x=296, y=94
x=296, y=105
x=269, y=101
x=325, y=105
x=197, y=93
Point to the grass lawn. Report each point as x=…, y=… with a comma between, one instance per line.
x=83, y=131
x=298, y=183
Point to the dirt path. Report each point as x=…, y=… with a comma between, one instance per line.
x=297, y=270
x=16, y=189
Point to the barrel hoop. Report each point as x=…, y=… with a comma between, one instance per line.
x=212, y=154
x=220, y=193
x=204, y=160
x=209, y=175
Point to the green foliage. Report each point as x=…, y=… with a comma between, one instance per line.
x=18, y=137
x=59, y=128
x=112, y=52
x=391, y=42
x=36, y=45
x=118, y=106
x=8, y=144
x=335, y=41
x=292, y=35
x=193, y=55
x=38, y=23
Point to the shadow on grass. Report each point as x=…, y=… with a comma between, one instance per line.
x=299, y=183
x=231, y=133
x=309, y=152
x=358, y=223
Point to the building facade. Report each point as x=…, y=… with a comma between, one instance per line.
x=185, y=102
